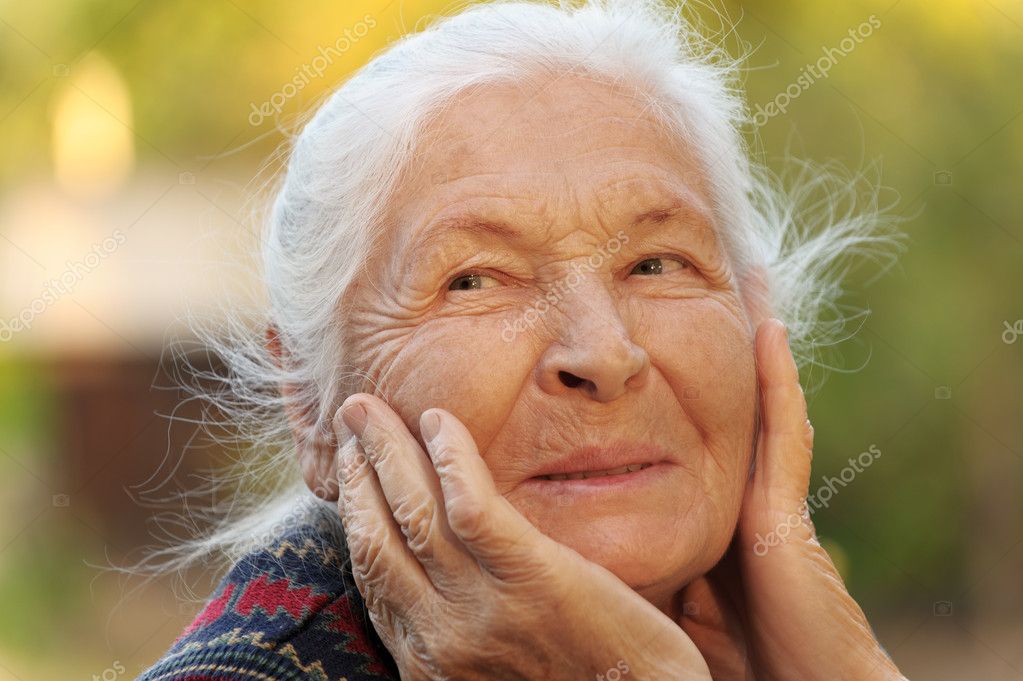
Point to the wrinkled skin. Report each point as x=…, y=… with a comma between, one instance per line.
x=461, y=586
x=666, y=358
x=465, y=558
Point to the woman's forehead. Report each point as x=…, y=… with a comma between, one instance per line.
x=548, y=124
x=483, y=155
x=626, y=197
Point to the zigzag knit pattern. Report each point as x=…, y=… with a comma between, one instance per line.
x=288, y=611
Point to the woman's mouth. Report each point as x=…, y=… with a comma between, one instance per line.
x=621, y=470
x=631, y=479
x=613, y=468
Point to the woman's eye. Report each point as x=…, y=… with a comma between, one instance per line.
x=660, y=266
x=466, y=282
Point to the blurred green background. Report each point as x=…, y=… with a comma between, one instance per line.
x=130, y=142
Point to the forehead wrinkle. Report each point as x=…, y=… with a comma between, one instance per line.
x=468, y=222
x=661, y=202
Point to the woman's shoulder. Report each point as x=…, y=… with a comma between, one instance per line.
x=287, y=610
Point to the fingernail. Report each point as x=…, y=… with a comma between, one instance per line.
x=784, y=329
x=354, y=416
x=429, y=425
x=342, y=431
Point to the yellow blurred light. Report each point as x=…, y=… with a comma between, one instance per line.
x=93, y=144
x=960, y=21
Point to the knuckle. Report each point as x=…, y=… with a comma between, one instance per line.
x=367, y=558
x=381, y=445
x=469, y=522
x=423, y=656
x=353, y=464
x=418, y=527
x=384, y=622
x=445, y=452
x=377, y=612
x=807, y=436
x=443, y=652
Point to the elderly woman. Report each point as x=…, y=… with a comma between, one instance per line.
x=525, y=291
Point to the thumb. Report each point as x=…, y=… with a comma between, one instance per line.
x=795, y=596
x=781, y=479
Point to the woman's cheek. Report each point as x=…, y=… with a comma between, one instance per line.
x=456, y=364
x=707, y=358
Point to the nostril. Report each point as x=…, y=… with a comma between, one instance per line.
x=571, y=380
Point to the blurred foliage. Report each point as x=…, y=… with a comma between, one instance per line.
x=25, y=408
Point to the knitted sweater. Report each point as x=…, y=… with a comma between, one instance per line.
x=289, y=611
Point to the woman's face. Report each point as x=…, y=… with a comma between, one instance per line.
x=550, y=275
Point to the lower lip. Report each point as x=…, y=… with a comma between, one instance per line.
x=605, y=483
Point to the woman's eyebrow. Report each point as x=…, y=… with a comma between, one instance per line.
x=659, y=215
x=675, y=202
x=476, y=225
x=671, y=208
x=470, y=223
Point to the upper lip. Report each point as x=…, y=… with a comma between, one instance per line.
x=601, y=458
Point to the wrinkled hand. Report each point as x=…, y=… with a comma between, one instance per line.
x=459, y=585
x=775, y=608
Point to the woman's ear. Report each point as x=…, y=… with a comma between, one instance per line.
x=315, y=451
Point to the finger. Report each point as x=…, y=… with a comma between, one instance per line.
x=391, y=580
x=710, y=619
x=502, y=540
x=796, y=599
x=785, y=446
x=410, y=487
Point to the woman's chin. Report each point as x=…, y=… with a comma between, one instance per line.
x=645, y=558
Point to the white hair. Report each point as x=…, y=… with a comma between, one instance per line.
x=346, y=161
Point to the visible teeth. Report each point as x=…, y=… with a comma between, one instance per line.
x=598, y=474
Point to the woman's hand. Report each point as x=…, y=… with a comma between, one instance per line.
x=775, y=604
x=460, y=585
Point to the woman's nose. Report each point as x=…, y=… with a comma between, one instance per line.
x=594, y=355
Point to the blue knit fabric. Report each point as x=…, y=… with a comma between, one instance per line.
x=287, y=611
